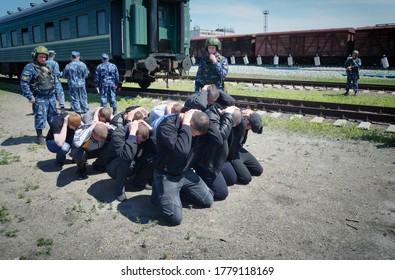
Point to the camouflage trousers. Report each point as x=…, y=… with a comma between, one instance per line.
x=60, y=93
x=79, y=99
x=352, y=78
x=107, y=92
x=44, y=110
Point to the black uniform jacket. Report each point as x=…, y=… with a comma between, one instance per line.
x=174, y=145
x=213, y=147
x=125, y=147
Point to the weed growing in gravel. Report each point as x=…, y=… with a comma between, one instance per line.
x=29, y=186
x=46, y=243
x=4, y=215
x=12, y=233
x=7, y=158
x=32, y=147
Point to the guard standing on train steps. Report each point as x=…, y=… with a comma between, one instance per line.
x=38, y=84
x=106, y=82
x=352, y=66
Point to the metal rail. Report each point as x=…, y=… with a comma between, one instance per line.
x=324, y=109
x=301, y=83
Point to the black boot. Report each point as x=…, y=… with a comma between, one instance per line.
x=40, y=137
x=114, y=110
x=346, y=93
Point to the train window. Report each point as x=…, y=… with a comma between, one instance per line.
x=82, y=26
x=2, y=39
x=101, y=22
x=49, y=32
x=25, y=36
x=65, y=29
x=36, y=34
x=14, y=38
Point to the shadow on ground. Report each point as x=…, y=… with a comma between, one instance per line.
x=12, y=141
x=139, y=209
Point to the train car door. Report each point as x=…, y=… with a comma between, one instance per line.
x=169, y=24
x=116, y=25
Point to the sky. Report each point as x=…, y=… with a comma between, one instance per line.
x=247, y=17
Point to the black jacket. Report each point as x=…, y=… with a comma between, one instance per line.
x=125, y=147
x=213, y=148
x=236, y=138
x=174, y=145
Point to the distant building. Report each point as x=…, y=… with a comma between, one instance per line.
x=197, y=32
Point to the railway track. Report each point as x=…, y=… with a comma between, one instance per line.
x=373, y=87
x=363, y=113
x=322, y=109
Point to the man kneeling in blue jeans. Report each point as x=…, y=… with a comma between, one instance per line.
x=173, y=175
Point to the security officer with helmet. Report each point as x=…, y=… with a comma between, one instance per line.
x=213, y=68
x=38, y=84
x=352, y=65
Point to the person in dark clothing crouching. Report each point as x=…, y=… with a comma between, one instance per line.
x=174, y=181
x=213, y=149
x=129, y=153
x=243, y=162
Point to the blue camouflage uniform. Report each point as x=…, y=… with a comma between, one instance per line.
x=76, y=72
x=107, y=79
x=59, y=89
x=352, y=75
x=38, y=82
x=211, y=73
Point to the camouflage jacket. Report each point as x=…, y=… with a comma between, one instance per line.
x=211, y=73
x=106, y=74
x=76, y=72
x=37, y=80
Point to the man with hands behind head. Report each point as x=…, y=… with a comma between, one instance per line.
x=129, y=153
x=174, y=181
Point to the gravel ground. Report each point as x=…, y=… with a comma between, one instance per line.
x=318, y=198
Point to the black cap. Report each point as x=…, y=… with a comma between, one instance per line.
x=256, y=123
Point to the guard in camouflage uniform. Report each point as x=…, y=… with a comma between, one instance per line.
x=55, y=69
x=76, y=72
x=212, y=68
x=106, y=81
x=352, y=66
x=38, y=84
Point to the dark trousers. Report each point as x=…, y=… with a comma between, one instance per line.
x=81, y=156
x=167, y=191
x=246, y=167
x=120, y=169
x=218, y=183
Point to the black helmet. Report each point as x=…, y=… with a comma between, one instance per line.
x=212, y=41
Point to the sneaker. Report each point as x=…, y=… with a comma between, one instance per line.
x=81, y=175
x=62, y=110
x=346, y=93
x=122, y=197
x=356, y=93
x=40, y=140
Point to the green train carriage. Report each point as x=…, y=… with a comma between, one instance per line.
x=142, y=37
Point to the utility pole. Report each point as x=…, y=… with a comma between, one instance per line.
x=265, y=16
